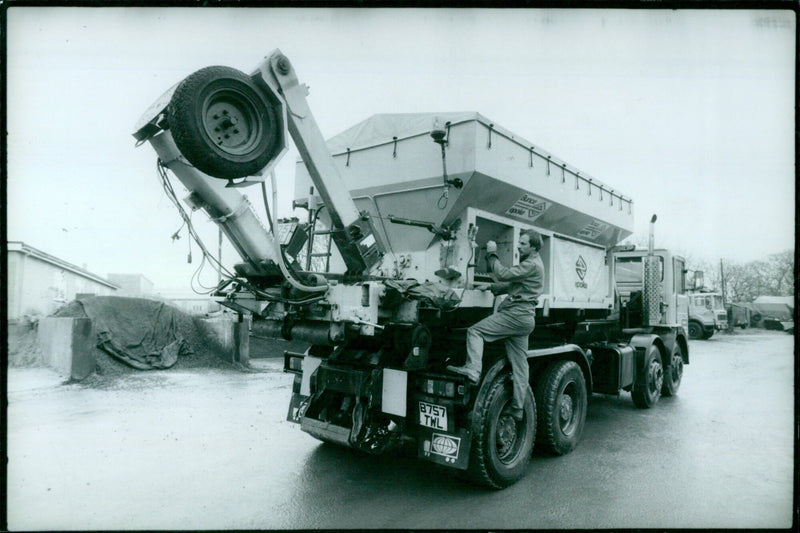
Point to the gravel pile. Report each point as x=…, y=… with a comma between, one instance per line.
x=203, y=348
x=23, y=346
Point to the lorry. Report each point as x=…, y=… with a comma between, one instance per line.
x=379, y=279
x=707, y=314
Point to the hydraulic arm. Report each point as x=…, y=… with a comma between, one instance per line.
x=220, y=124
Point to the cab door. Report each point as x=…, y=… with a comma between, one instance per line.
x=681, y=305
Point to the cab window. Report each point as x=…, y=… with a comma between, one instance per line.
x=629, y=269
x=679, y=275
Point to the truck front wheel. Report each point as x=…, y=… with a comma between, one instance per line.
x=650, y=379
x=561, y=399
x=501, y=446
x=695, y=330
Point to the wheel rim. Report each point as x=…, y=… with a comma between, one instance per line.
x=694, y=330
x=655, y=375
x=509, y=436
x=231, y=120
x=569, y=409
x=676, y=371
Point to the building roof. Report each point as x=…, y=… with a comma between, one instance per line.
x=26, y=249
x=130, y=276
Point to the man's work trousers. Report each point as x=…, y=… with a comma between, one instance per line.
x=513, y=322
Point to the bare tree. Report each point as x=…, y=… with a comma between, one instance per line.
x=773, y=276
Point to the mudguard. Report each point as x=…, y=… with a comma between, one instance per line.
x=573, y=352
x=641, y=342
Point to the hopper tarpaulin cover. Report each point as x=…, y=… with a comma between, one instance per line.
x=142, y=333
x=580, y=272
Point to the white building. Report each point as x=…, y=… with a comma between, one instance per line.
x=190, y=302
x=39, y=283
x=132, y=284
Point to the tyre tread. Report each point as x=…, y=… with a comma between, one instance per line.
x=481, y=470
x=546, y=392
x=187, y=136
x=478, y=469
x=639, y=392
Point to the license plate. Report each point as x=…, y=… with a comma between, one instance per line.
x=432, y=416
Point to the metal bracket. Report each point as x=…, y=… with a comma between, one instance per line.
x=241, y=208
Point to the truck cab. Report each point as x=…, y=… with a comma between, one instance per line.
x=669, y=282
x=707, y=314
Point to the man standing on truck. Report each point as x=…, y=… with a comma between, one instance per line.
x=515, y=317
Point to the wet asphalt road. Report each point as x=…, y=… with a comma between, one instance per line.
x=211, y=449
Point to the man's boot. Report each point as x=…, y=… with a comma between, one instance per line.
x=474, y=376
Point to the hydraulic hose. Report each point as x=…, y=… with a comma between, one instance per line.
x=280, y=260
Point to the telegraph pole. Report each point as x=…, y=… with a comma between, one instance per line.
x=722, y=277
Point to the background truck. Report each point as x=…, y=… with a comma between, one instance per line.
x=707, y=314
x=379, y=278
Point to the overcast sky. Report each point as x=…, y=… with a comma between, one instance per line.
x=690, y=113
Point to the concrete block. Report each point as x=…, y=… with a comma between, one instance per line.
x=67, y=345
x=232, y=337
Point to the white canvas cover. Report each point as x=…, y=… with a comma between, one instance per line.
x=579, y=272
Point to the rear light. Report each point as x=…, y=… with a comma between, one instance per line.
x=437, y=387
x=293, y=363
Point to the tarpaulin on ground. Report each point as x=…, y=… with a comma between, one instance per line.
x=772, y=310
x=142, y=333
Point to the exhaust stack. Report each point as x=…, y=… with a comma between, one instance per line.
x=651, y=240
x=652, y=290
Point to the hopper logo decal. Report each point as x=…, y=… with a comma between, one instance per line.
x=580, y=268
x=446, y=446
x=593, y=230
x=528, y=207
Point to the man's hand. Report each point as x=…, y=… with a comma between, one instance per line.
x=491, y=253
x=482, y=286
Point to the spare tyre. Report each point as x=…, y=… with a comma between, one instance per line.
x=222, y=123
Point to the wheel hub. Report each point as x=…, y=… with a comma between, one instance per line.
x=566, y=408
x=230, y=119
x=506, y=434
x=656, y=376
x=227, y=125
x=677, y=368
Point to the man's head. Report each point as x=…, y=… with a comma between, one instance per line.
x=529, y=240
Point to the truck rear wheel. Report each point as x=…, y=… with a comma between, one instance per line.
x=673, y=373
x=561, y=399
x=695, y=330
x=649, y=379
x=222, y=123
x=501, y=446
